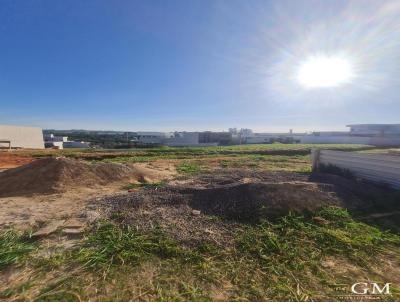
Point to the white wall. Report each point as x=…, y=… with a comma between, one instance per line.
x=73, y=144
x=22, y=137
x=312, y=139
x=375, y=141
x=380, y=168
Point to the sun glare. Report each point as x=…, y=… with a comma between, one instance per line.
x=324, y=71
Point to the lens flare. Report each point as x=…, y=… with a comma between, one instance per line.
x=324, y=71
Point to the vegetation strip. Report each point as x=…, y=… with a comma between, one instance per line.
x=269, y=260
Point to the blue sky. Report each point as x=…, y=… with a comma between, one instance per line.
x=194, y=65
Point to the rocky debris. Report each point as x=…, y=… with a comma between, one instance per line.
x=73, y=231
x=91, y=216
x=196, y=212
x=71, y=226
x=50, y=228
x=74, y=223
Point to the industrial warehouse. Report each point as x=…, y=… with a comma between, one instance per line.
x=16, y=137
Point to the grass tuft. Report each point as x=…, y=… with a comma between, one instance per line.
x=111, y=245
x=282, y=260
x=19, y=289
x=14, y=248
x=189, y=168
x=296, y=241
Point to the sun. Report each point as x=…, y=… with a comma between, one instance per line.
x=324, y=71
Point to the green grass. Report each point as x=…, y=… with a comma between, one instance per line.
x=110, y=246
x=189, y=168
x=21, y=288
x=190, y=152
x=193, y=160
x=270, y=261
x=294, y=163
x=296, y=241
x=291, y=250
x=14, y=248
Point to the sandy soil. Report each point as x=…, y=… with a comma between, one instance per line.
x=24, y=213
x=27, y=211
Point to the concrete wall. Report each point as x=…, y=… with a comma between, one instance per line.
x=22, y=137
x=379, y=168
x=312, y=139
x=73, y=144
x=374, y=141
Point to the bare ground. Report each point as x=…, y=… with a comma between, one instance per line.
x=212, y=207
x=207, y=208
x=53, y=189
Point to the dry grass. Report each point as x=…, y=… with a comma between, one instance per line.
x=287, y=260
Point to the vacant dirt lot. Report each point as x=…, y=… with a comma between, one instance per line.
x=251, y=227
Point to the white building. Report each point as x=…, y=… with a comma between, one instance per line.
x=366, y=134
x=183, y=139
x=266, y=138
x=75, y=144
x=61, y=142
x=157, y=138
x=50, y=137
x=175, y=139
x=21, y=137
x=381, y=130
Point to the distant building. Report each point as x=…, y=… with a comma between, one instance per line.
x=220, y=138
x=268, y=138
x=61, y=142
x=54, y=145
x=183, y=139
x=173, y=139
x=21, y=137
x=157, y=138
x=380, y=130
x=74, y=144
x=50, y=137
x=366, y=134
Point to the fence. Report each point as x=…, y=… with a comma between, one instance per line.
x=379, y=168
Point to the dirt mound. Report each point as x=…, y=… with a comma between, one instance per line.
x=252, y=201
x=188, y=214
x=53, y=175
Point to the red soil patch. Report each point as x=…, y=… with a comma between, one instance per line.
x=11, y=160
